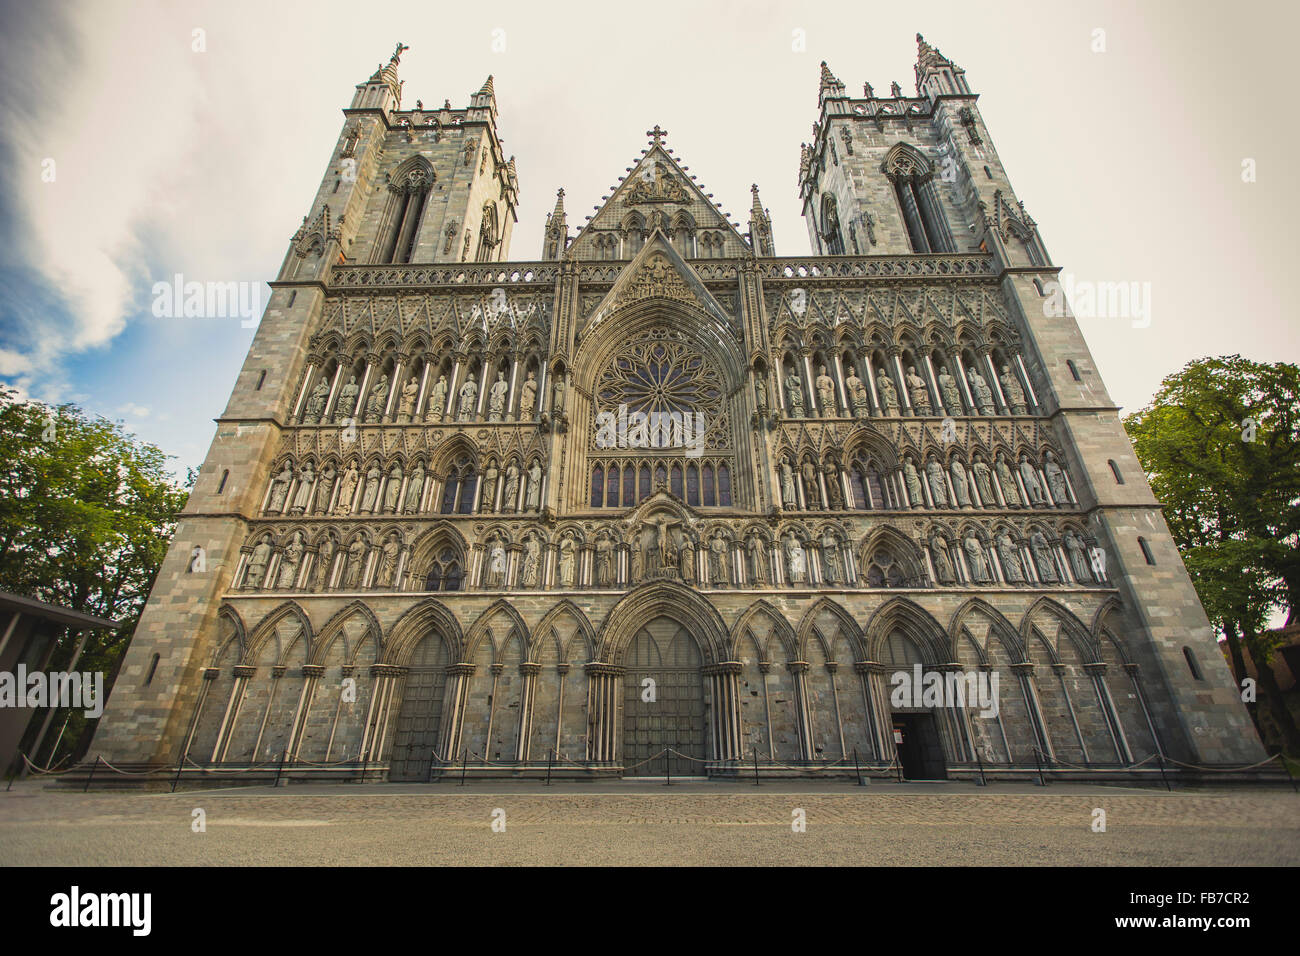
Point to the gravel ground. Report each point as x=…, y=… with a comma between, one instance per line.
x=646, y=823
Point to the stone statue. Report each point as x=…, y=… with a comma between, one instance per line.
x=257, y=563
x=635, y=569
x=468, y=398
x=324, y=563
x=858, y=395
x=373, y=476
x=512, y=488
x=795, y=561
x=888, y=393
x=323, y=488
x=760, y=391
x=378, y=399
x=1009, y=555
x=489, y=499
x=280, y=489
x=316, y=403
x=410, y=395
x=566, y=562
x=913, y=481
x=604, y=562
x=976, y=559
x=387, y=562
x=1076, y=551
x=685, y=557
x=835, y=500
x=1011, y=390
x=302, y=497
x=347, y=490
x=1008, y=482
x=347, y=400
x=533, y=496
x=983, y=394
x=289, y=562
x=719, y=566
x=532, y=561
x=496, y=568
x=938, y=487
x=789, y=498
x=984, y=482
x=1043, y=561
x=356, y=564
x=557, y=395
x=960, y=488
x=811, y=493
x=437, y=401
x=414, y=489
x=918, y=391
x=1056, y=480
x=497, y=398
x=756, y=552
x=392, y=487
x=527, y=398
x=948, y=388
x=830, y=557
x=943, y=571
x=826, y=392
x=1029, y=474
x=794, y=394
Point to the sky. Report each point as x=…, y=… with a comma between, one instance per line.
x=148, y=139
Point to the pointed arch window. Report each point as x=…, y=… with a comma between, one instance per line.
x=912, y=176
x=409, y=187
x=489, y=236
x=831, y=234
x=445, y=572
x=724, y=486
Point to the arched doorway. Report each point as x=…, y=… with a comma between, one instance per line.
x=915, y=728
x=419, y=720
x=668, y=713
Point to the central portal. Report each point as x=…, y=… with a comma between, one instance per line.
x=668, y=713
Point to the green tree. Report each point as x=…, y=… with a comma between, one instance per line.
x=86, y=513
x=1220, y=445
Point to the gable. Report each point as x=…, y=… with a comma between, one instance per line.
x=657, y=193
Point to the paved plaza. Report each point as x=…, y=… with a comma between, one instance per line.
x=627, y=823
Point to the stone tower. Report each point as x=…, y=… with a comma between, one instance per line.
x=462, y=508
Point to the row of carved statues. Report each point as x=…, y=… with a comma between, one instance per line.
x=392, y=490
x=826, y=402
x=470, y=400
x=810, y=486
x=668, y=547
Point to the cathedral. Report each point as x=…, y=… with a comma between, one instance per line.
x=664, y=500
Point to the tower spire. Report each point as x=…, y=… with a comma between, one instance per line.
x=760, y=226
x=936, y=75
x=831, y=87
x=556, y=238
x=383, y=89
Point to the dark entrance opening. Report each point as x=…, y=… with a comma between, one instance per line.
x=420, y=717
x=919, y=751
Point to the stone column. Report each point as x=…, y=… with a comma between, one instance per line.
x=528, y=672
x=311, y=674
x=724, y=685
x=454, y=699
x=604, y=689
x=1025, y=674
x=1097, y=671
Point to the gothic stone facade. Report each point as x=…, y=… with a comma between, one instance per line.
x=462, y=508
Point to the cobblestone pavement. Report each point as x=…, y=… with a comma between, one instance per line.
x=625, y=823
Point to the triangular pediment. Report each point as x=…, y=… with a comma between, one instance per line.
x=657, y=272
x=656, y=193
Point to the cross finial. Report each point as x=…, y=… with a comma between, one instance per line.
x=399, y=51
x=656, y=133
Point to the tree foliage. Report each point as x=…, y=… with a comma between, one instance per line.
x=1220, y=444
x=86, y=514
